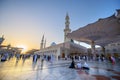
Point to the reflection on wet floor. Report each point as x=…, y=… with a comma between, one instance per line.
x=101, y=77
x=27, y=70
x=111, y=71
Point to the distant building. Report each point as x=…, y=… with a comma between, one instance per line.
x=7, y=48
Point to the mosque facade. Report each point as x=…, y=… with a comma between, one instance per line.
x=62, y=50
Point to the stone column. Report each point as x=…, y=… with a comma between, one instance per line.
x=103, y=50
x=93, y=49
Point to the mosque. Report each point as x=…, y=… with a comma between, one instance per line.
x=66, y=49
x=105, y=32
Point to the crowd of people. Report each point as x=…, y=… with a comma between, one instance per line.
x=7, y=56
x=77, y=62
x=51, y=58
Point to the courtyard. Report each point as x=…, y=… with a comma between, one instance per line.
x=57, y=70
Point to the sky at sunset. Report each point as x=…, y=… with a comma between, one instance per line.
x=23, y=22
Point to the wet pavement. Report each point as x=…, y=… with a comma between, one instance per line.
x=58, y=70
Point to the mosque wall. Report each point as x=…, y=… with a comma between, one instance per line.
x=111, y=49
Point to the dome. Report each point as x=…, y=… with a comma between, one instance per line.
x=53, y=44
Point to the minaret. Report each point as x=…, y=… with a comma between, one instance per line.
x=67, y=29
x=42, y=42
x=45, y=43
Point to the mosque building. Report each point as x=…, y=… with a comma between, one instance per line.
x=65, y=49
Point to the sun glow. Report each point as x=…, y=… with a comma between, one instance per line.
x=24, y=48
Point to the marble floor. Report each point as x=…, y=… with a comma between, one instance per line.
x=58, y=70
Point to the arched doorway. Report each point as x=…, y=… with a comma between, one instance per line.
x=63, y=55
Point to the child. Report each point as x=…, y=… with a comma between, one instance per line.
x=79, y=66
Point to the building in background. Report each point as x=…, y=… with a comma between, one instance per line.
x=111, y=49
x=8, y=49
